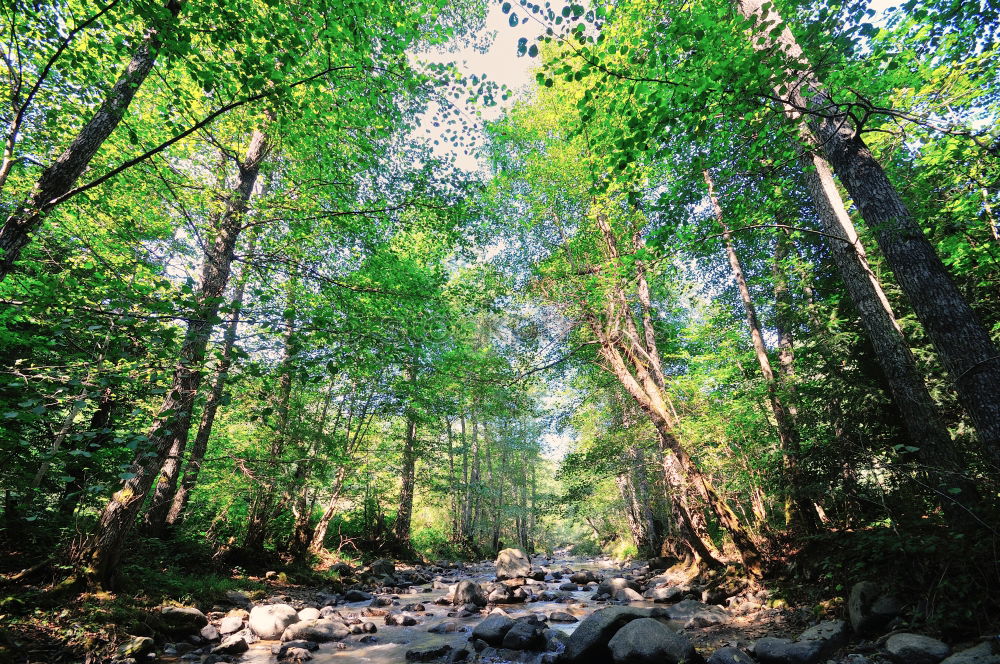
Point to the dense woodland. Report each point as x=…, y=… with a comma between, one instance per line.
x=740, y=258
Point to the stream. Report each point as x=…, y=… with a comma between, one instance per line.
x=391, y=642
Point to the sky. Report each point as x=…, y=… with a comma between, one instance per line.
x=502, y=65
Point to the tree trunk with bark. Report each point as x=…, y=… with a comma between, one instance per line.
x=179, y=501
x=170, y=429
x=788, y=435
x=961, y=342
x=59, y=178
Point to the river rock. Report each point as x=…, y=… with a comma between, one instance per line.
x=627, y=595
x=137, y=647
x=562, y=617
x=183, y=620
x=231, y=645
x=987, y=652
x=298, y=655
x=611, y=586
x=399, y=618
x=664, y=594
x=833, y=633
x=698, y=614
x=309, y=613
x=468, y=592
x=211, y=632
x=583, y=577
x=320, y=631
x=916, y=649
x=238, y=599
x=588, y=644
x=427, y=654
x=648, y=641
x=493, y=629
x=770, y=650
x=571, y=587
x=512, y=563
x=869, y=609
x=524, y=635
x=729, y=655
x=230, y=624
x=355, y=595
x=383, y=567
x=270, y=620
x=444, y=628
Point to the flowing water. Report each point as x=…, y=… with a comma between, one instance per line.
x=392, y=642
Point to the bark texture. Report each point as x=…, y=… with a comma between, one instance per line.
x=961, y=342
x=59, y=177
x=169, y=431
x=788, y=434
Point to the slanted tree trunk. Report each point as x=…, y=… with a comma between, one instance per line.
x=788, y=434
x=59, y=178
x=179, y=501
x=620, y=342
x=319, y=532
x=165, y=488
x=961, y=342
x=171, y=426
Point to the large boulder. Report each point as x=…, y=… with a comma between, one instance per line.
x=383, y=567
x=987, y=652
x=648, y=641
x=270, y=621
x=916, y=649
x=588, y=644
x=870, y=610
x=525, y=635
x=319, y=631
x=493, y=629
x=468, y=592
x=183, y=620
x=512, y=563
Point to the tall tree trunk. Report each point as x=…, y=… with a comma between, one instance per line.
x=961, y=341
x=179, y=501
x=788, y=434
x=58, y=179
x=171, y=426
x=156, y=518
x=407, y=479
x=407, y=475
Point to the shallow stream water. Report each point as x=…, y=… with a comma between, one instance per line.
x=392, y=642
